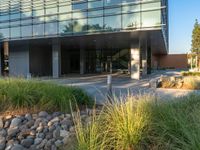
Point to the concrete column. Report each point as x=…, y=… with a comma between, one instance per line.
x=144, y=56
x=82, y=61
x=56, y=58
x=135, y=61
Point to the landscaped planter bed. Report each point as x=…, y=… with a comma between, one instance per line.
x=42, y=131
x=23, y=124
x=179, y=82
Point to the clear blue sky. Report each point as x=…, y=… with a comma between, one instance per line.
x=182, y=15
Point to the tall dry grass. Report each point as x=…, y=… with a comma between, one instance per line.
x=143, y=123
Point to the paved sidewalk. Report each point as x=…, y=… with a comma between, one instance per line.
x=96, y=85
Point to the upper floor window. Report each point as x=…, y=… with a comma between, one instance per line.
x=112, y=2
x=79, y=5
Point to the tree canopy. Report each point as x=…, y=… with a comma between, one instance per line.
x=196, y=38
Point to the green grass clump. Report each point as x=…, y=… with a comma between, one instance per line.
x=143, y=123
x=20, y=93
x=176, y=124
x=187, y=73
x=89, y=135
x=126, y=122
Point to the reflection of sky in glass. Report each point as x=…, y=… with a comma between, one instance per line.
x=152, y=18
x=131, y=20
x=95, y=4
x=113, y=22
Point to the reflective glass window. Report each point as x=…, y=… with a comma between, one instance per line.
x=79, y=6
x=129, y=1
x=51, y=28
x=14, y=23
x=95, y=13
x=27, y=21
x=95, y=24
x=131, y=8
x=79, y=14
x=151, y=18
x=25, y=14
x=4, y=17
x=26, y=31
x=15, y=16
x=95, y=4
x=111, y=2
x=66, y=16
x=4, y=33
x=112, y=22
x=4, y=24
x=65, y=8
x=79, y=25
x=150, y=6
x=15, y=32
x=112, y=11
x=37, y=20
x=38, y=30
x=51, y=18
x=65, y=27
x=53, y=10
x=39, y=12
x=131, y=20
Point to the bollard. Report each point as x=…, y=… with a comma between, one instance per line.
x=109, y=86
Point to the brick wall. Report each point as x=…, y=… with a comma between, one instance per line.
x=172, y=61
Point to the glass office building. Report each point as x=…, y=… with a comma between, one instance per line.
x=90, y=32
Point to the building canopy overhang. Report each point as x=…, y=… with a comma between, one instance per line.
x=118, y=40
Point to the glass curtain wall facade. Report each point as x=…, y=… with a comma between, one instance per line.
x=21, y=19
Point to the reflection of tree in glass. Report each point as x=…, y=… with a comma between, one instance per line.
x=68, y=28
x=133, y=25
x=108, y=28
x=77, y=27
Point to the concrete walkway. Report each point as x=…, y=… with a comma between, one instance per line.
x=96, y=85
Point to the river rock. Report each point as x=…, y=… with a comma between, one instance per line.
x=15, y=122
x=27, y=142
x=12, y=132
x=2, y=142
x=28, y=117
x=56, y=133
x=17, y=147
x=37, y=141
x=43, y=114
x=3, y=133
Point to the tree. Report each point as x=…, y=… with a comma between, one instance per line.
x=196, y=38
x=196, y=43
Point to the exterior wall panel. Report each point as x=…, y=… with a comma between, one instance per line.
x=19, y=60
